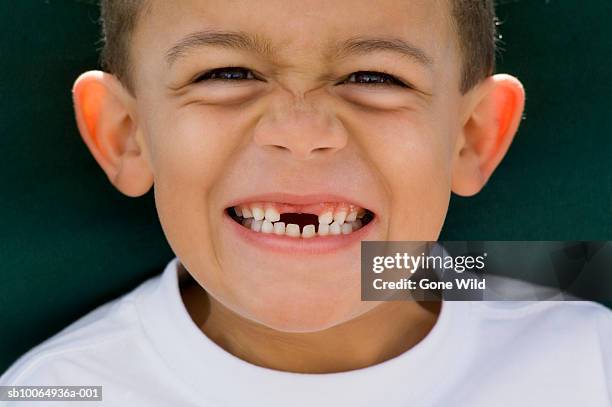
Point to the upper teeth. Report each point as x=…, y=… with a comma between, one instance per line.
x=258, y=213
x=326, y=217
x=340, y=216
x=352, y=216
x=272, y=214
x=334, y=219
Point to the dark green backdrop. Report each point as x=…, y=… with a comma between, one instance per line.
x=69, y=241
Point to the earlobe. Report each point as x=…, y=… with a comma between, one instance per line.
x=102, y=109
x=492, y=121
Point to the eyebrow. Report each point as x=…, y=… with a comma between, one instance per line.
x=361, y=45
x=224, y=39
x=257, y=44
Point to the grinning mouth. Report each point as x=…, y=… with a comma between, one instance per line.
x=301, y=221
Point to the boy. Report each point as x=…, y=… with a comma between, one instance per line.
x=277, y=136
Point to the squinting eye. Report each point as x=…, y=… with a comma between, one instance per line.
x=226, y=74
x=374, y=78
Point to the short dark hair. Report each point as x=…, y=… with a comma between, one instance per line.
x=476, y=29
x=474, y=23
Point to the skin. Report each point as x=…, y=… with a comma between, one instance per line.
x=299, y=128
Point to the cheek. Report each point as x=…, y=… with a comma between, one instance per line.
x=189, y=152
x=189, y=146
x=412, y=156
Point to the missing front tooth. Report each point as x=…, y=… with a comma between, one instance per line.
x=300, y=219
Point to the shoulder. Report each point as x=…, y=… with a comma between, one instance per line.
x=546, y=351
x=109, y=331
x=571, y=310
x=514, y=299
x=567, y=321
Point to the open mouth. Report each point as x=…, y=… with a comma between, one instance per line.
x=301, y=221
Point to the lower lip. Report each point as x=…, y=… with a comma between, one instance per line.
x=294, y=245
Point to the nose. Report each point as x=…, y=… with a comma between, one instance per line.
x=300, y=129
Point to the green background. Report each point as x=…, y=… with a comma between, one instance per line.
x=69, y=241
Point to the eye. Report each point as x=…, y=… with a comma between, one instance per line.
x=372, y=78
x=226, y=74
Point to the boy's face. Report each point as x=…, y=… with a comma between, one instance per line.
x=303, y=133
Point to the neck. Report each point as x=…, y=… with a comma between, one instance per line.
x=399, y=325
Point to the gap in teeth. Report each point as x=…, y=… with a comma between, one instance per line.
x=304, y=221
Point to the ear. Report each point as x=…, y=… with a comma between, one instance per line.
x=104, y=115
x=493, y=113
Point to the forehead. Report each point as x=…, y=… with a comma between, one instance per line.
x=291, y=26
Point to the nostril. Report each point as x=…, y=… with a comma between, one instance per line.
x=324, y=149
x=275, y=148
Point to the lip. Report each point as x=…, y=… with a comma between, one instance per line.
x=294, y=199
x=317, y=245
x=299, y=246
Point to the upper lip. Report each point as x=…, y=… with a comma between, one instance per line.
x=295, y=199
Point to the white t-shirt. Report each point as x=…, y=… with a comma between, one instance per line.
x=145, y=350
